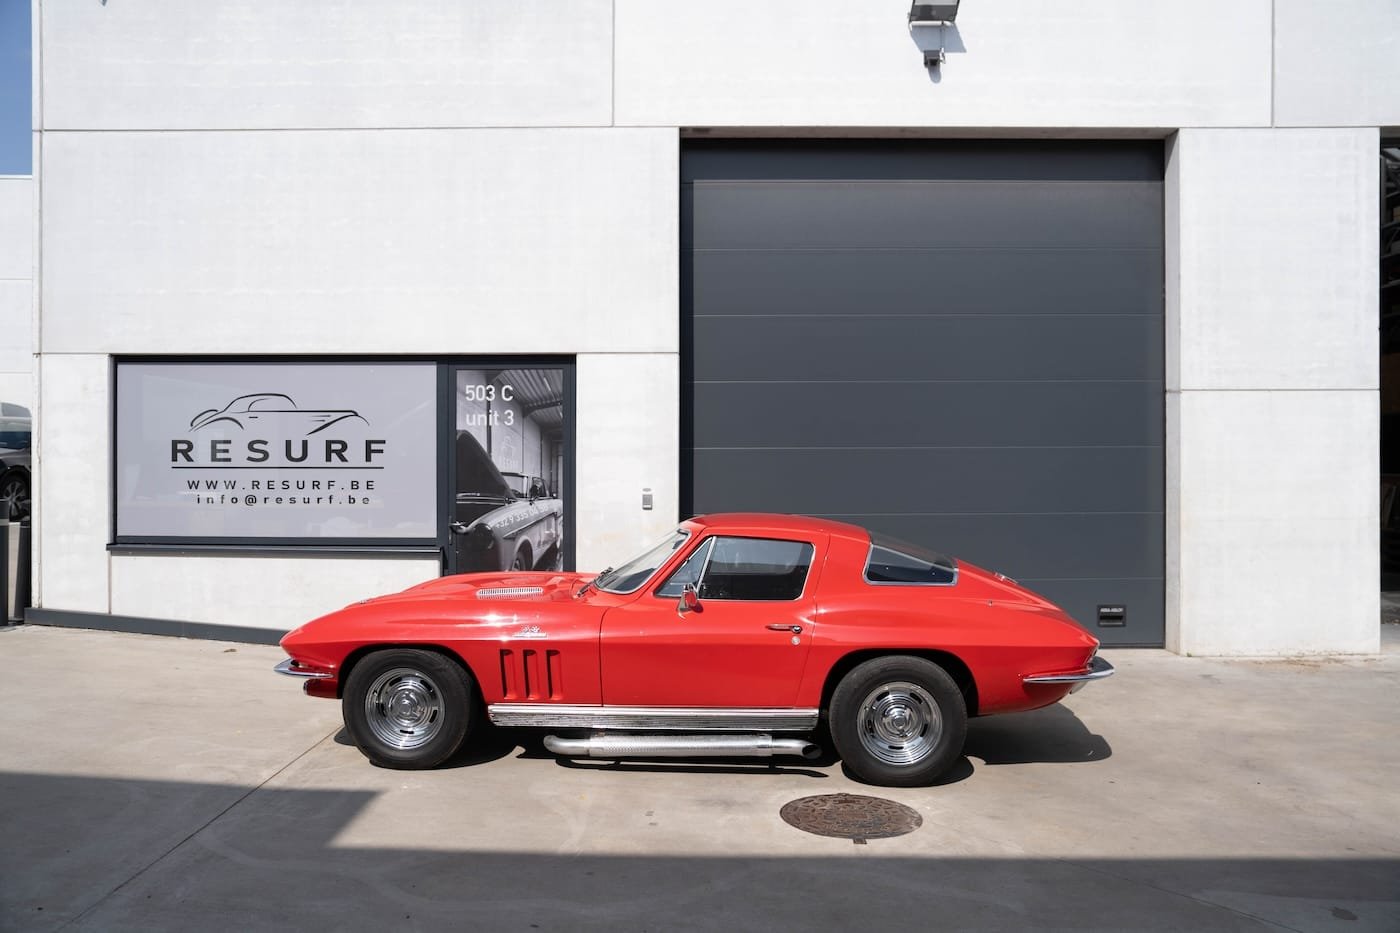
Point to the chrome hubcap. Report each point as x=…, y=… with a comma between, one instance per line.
x=899, y=723
x=404, y=708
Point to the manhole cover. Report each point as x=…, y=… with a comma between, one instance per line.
x=850, y=816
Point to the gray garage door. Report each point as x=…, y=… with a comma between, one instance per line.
x=957, y=343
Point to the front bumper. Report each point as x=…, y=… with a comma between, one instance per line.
x=1098, y=669
x=289, y=668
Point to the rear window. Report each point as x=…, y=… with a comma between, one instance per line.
x=894, y=561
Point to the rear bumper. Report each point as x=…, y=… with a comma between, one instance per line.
x=1098, y=669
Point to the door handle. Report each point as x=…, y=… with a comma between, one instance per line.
x=783, y=627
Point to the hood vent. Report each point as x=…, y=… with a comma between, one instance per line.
x=508, y=592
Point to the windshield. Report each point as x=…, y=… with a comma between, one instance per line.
x=630, y=576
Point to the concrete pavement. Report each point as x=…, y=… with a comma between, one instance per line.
x=153, y=783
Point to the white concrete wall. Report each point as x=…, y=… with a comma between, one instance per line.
x=1011, y=63
x=17, y=270
x=1273, y=443
x=400, y=241
x=277, y=593
x=628, y=440
x=440, y=177
x=1334, y=63
x=73, y=508
x=247, y=64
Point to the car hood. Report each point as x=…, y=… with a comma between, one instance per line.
x=486, y=601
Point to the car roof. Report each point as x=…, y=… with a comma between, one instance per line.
x=777, y=522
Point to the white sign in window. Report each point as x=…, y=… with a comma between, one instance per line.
x=276, y=452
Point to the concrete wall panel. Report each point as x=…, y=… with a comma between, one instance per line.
x=16, y=306
x=17, y=271
x=216, y=589
x=1278, y=258
x=466, y=241
x=1014, y=63
x=16, y=227
x=1334, y=64
x=243, y=64
x=1272, y=428
x=1278, y=504
x=628, y=439
x=73, y=504
x=17, y=387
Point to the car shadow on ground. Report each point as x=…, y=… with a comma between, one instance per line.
x=1050, y=734
x=487, y=744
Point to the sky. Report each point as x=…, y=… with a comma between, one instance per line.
x=16, y=152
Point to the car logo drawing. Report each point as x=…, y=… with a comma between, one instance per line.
x=276, y=408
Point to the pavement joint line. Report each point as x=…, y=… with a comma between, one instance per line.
x=1195, y=900
x=201, y=828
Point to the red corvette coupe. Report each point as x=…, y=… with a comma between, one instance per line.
x=734, y=636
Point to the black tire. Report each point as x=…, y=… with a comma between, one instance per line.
x=14, y=496
x=523, y=559
x=898, y=721
x=409, y=709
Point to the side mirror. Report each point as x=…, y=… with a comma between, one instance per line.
x=689, y=601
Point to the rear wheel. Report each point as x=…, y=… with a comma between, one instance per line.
x=898, y=721
x=408, y=709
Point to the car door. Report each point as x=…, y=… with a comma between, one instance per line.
x=745, y=644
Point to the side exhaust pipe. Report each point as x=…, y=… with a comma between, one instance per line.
x=605, y=745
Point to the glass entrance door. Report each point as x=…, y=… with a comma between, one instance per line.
x=511, y=469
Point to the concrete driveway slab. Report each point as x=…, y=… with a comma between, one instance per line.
x=162, y=783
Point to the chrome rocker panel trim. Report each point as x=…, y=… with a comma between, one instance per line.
x=1098, y=670
x=706, y=745
x=286, y=668
x=711, y=719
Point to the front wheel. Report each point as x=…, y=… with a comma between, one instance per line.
x=898, y=721
x=408, y=709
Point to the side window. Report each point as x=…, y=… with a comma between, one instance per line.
x=688, y=572
x=756, y=568
x=887, y=565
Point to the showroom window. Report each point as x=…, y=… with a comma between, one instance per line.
x=471, y=458
x=276, y=452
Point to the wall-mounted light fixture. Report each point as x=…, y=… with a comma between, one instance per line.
x=923, y=14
